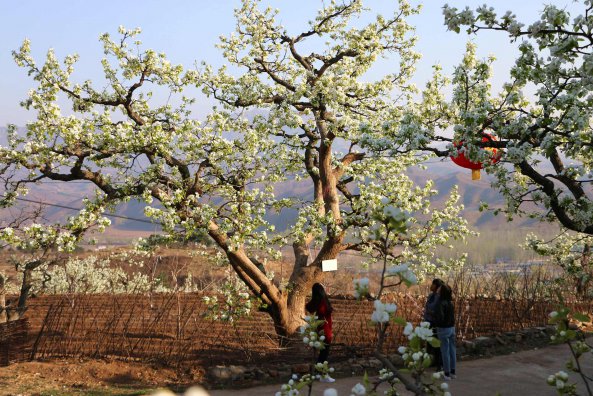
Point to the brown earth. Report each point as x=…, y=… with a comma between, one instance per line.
x=78, y=377
x=521, y=374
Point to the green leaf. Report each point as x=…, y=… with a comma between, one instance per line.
x=571, y=334
x=365, y=380
x=300, y=385
x=399, y=321
x=583, y=318
x=426, y=362
x=415, y=343
x=435, y=342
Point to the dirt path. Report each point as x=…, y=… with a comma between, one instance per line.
x=520, y=374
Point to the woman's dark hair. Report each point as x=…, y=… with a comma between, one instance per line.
x=446, y=293
x=438, y=282
x=318, y=295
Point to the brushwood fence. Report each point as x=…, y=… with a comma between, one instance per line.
x=13, y=341
x=173, y=328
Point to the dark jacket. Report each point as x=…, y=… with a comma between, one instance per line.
x=445, y=314
x=432, y=303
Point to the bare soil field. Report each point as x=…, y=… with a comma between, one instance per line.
x=90, y=377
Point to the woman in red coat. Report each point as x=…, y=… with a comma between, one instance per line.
x=321, y=307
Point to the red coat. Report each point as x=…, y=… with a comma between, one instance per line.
x=322, y=313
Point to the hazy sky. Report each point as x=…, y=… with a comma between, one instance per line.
x=188, y=30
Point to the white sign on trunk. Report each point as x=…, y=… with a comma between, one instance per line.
x=329, y=265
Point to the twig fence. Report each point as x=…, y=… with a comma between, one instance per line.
x=13, y=341
x=173, y=329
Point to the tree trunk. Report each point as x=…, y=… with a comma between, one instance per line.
x=289, y=314
x=286, y=320
x=26, y=288
x=286, y=308
x=24, y=295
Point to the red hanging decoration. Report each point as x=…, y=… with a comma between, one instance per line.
x=464, y=162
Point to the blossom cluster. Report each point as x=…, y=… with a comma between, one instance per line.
x=295, y=384
x=579, y=347
x=415, y=359
x=414, y=355
x=232, y=302
x=89, y=275
x=323, y=370
x=313, y=337
x=422, y=331
x=291, y=388
x=568, y=251
x=383, y=311
x=404, y=272
x=560, y=382
x=388, y=376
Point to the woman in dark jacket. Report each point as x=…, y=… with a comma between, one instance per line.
x=445, y=324
x=429, y=315
x=321, y=306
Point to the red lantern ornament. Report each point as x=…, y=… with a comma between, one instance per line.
x=464, y=162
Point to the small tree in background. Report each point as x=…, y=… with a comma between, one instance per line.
x=39, y=246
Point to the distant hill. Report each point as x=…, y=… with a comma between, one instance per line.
x=472, y=193
x=447, y=175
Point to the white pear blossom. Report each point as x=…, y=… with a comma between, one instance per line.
x=359, y=390
x=408, y=329
x=382, y=312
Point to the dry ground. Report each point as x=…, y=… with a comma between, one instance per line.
x=520, y=374
x=77, y=377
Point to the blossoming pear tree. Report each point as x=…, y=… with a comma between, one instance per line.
x=541, y=118
x=547, y=139
x=295, y=108
x=546, y=168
